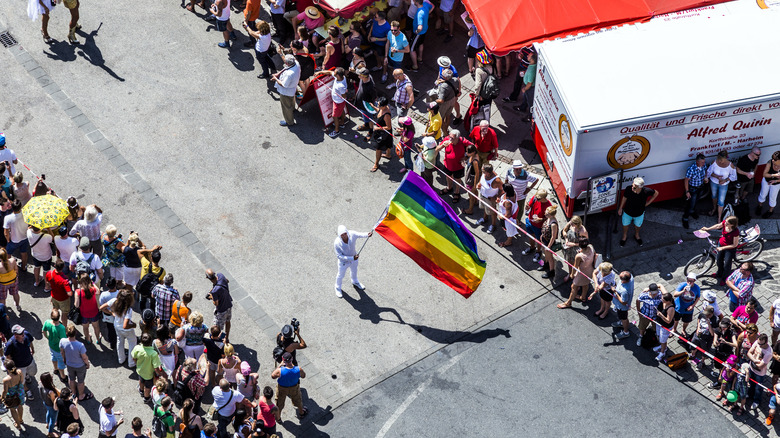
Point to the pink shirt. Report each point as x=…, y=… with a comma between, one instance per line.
x=265, y=412
x=311, y=24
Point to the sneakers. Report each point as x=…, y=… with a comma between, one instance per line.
x=482, y=221
x=224, y=44
x=617, y=324
x=661, y=357
x=657, y=349
x=333, y=134
x=623, y=335
x=359, y=285
x=639, y=342
x=490, y=229
x=526, y=251
x=384, y=78
x=713, y=385
x=30, y=395
x=3, y=409
x=300, y=416
x=537, y=257
x=338, y=292
x=754, y=406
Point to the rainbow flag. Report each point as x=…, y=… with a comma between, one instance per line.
x=426, y=229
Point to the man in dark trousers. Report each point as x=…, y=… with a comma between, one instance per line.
x=223, y=302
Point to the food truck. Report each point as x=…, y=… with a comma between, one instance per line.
x=642, y=100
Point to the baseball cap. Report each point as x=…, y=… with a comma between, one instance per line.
x=245, y=368
x=692, y=276
x=518, y=164
x=84, y=243
x=2, y=139
x=406, y=121
x=17, y=329
x=287, y=356
x=653, y=286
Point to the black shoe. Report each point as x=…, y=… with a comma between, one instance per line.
x=623, y=242
x=768, y=214
x=508, y=99
x=526, y=119
x=448, y=38
x=695, y=215
x=249, y=44
x=758, y=210
x=456, y=121
x=544, y=267
x=685, y=223
x=548, y=274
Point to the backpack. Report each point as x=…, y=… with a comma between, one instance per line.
x=181, y=390
x=490, y=88
x=650, y=339
x=159, y=429
x=84, y=266
x=677, y=361
x=147, y=283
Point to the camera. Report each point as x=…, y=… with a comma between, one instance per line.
x=295, y=324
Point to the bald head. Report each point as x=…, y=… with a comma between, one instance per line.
x=224, y=385
x=211, y=275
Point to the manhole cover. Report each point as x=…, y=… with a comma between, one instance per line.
x=7, y=39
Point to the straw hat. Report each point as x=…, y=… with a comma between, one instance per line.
x=313, y=13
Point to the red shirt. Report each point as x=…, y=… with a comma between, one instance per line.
x=537, y=208
x=454, y=153
x=60, y=286
x=488, y=143
x=265, y=413
x=727, y=238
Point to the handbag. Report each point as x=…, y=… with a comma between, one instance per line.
x=12, y=401
x=74, y=315
x=556, y=246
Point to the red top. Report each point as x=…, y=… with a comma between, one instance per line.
x=487, y=143
x=265, y=413
x=727, y=238
x=88, y=307
x=60, y=286
x=454, y=153
x=537, y=208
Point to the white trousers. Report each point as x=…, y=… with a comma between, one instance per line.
x=770, y=191
x=121, y=335
x=352, y=265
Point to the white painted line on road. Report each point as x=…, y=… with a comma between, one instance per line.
x=413, y=396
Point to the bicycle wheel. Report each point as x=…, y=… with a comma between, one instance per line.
x=749, y=252
x=699, y=265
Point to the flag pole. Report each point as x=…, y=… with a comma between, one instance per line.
x=381, y=217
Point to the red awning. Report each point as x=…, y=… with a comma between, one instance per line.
x=343, y=8
x=507, y=26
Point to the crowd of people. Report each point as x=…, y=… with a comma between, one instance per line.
x=121, y=297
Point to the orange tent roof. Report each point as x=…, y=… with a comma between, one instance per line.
x=509, y=25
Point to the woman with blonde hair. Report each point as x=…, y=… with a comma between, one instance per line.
x=9, y=280
x=230, y=364
x=548, y=238
x=192, y=334
x=132, y=265
x=606, y=282
x=572, y=232
x=113, y=259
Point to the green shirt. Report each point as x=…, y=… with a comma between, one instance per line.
x=146, y=361
x=54, y=333
x=530, y=75
x=168, y=420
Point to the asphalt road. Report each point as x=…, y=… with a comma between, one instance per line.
x=538, y=371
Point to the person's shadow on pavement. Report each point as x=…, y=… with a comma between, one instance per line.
x=368, y=308
x=91, y=52
x=61, y=51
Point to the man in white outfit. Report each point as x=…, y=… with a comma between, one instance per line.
x=344, y=245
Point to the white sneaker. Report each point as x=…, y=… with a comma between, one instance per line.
x=526, y=251
x=338, y=292
x=359, y=285
x=537, y=257
x=617, y=324
x=657, y=349
x=481, y=221
x=661, y=357
x=490, y=229
x=754, y=406
x=623, y=335
x=639, y=342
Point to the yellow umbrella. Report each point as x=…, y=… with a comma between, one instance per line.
x=45, y=211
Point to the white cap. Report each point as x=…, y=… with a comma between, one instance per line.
x=692, y=276
x=429, y=142
x=342, y=229
x=709, y=296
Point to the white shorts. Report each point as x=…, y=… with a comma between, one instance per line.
x=662, y=333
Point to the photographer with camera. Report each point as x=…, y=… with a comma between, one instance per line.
x=223, y=302
x=286, y=341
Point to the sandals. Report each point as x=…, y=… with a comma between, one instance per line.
x=374, y=169
x=468, y=211
x=564, y=306
x=445, y=191
x=504, y=244
x=87, y=396
x=456, y=198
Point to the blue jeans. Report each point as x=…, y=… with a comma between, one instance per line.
x=51, y=417
x=719, y=191
x=723, y=261
x=408, y=158
x=692, y=202
x=754, y=391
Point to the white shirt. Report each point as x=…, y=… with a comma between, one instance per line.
x=105, y=297
x=263, y=43
x=339, y=90
x=288, y=80
x=10, y=156
x=221, y=398
x=120, y=322
x=719, y=172
x=66, y=246
x=107, y=421
x=42, y=250
x=346, y=251
x=17, y=226
x=520, y=185
x=279, y=9
x=95, y=264
x=776, y=316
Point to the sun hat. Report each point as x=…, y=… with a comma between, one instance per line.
x=518, y=164
x=429, y=142
x=245, y=368
x=483, y=57
x=313, y=13
x=444, y=61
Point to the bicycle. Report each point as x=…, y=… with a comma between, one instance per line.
x=750, y=246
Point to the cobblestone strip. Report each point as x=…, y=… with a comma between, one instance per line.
x=171, y=219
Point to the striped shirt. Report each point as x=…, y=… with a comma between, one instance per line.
x=401, y=96
x=745, y=286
